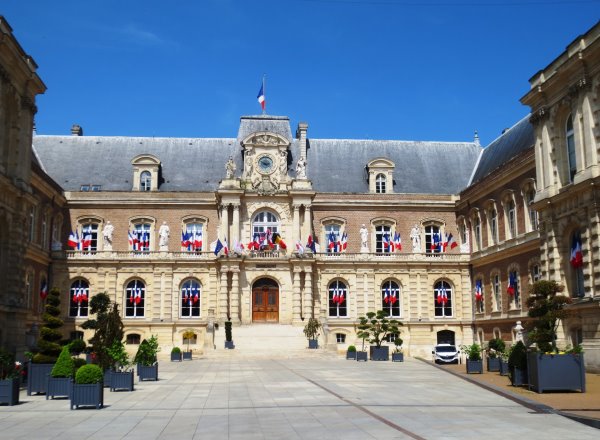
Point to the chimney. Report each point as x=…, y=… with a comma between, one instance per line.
x=476, y=139
x=301, y=136
x=76, y=130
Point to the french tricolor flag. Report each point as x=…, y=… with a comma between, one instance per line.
x=261, y=96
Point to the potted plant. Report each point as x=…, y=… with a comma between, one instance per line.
x=188, y=335
x=88, y=389
x=120, y=374
x=474, y=362
x=145, y=358
x=549, y=369
x=398, y=354
x=495, y=347
x=61, y=376
x=49, y=348
x=378, y=328
x=362, y=354
x=351, y=352
x=10, y=373
x=176, y=354
x=77, y=346
x=504, y=363
x=517, y=364
x=311, y=331
x=228, y=338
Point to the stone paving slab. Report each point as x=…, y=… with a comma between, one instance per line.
x=301, y=398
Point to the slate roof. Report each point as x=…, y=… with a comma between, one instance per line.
x=514, y=141
x=198, y=164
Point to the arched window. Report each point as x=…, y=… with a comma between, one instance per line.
x=493, y=214
x=190, y=299
x=576, y=264
x=514, y=289
x=477, y=233
x=265, y=223
x=193, y=236
x=390, y=298
x=433, y=239
x=135, y=298
x=533, y=215
x=32, y=225
x=380, y=181
x=479, y=296
x=89, y=236
x=511, y=212
x=442, y=299
x=338, y=299
x=383, y=239
x=145, y=181
x=571, y=157
x=79, y=295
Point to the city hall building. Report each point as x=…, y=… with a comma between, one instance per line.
x=272, y=227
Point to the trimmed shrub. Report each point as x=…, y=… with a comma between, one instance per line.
x=517, y=357
x=176, y=350
x=89, y=374
x=64, y=366
x=351, y=348
x=77, y=346
x=146, y=354
x=495, y=347
x=50, y=335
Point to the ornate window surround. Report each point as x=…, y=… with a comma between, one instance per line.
x=381, y=166
x=149, y=163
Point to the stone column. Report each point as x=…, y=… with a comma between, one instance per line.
x=308, y=295
x=223, y=299
x=297, y=296
x=234, y=296
x=296, y=234
x=235, y=227
x=224, y=223
x=305, y=226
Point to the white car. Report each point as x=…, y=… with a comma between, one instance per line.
x=446, y=354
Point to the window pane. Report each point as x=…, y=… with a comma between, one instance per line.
x=135, y=295
x=190, y=299
x=79, y=297
x=338, y=299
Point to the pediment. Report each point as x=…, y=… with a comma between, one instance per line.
x=265, y=139
x=381, y=162
x=145, y=159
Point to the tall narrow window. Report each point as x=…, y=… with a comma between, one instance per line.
x=135, y=298
x=571, y=157
x=493, y=226
x=432, y=239
x=44, y=226
x=576, y=264
x=533, y=215
x=380, y=181
x=497, y=306
x=463, y=233
x=190, y=299
x=28, y=300
x=338, y=299
x=332, y=238
x=512, y=219
x=383, y=239
x=79, y=295
x=536, y=274
x=514, y=289
x=145, y=181
x=442, y=299
x=390, y=298
x=32, y=212
x=89, y=236
x=140, y=239
x=477, y=232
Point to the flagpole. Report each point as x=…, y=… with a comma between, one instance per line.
x=264, y=112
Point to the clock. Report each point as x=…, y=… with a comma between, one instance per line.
x=265, y=164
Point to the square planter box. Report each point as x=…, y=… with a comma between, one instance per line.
x=351, y=355
x=361, y=356
x=556, y=372
x=121, y=380
x=493, y=364
x=397, y=357
x=519, y=377
x=313, y=343
x=9, y=391
x=176, y=357
x=187, y=355
x=37, y=381
x=474, y=367
x=147, y=372
x=380, y=353
x=229, y=345
x=503, y=368
x=58, y=387
x=87, y=395
x=107, y=377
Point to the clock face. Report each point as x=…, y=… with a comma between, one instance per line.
x=265, y=164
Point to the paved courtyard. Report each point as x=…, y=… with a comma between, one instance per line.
x=312, y=397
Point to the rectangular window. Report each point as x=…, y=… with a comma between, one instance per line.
x=96, y=187
x=512, y=220
x=332, y=238
x=383, y=239
x=340, y=338
x=536, y=274
x=89, y=237
x=432, y=239
x=514, y=286
x=477, y=232
x=32, y=219
x=141, y=232
x=497, y=294
x=44, y=231
x=493, y=227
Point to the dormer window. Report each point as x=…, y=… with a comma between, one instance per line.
x=380, y=181
x=145, y=172
x=145, y=181
x=381, y=175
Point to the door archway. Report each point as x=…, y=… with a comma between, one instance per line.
x=265, y=301
x=445, y=337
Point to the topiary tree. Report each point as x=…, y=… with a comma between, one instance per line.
x=64, y=366
x=311, y=329
x=89, y=374
x=50, y=335
x=147, y=351
x=376, y=327
x=495, y=347
x=547, y=308
x=118, y=356
x=108, y=328
x=228, y=336
x=77, y=346
x=517, y=357
x=188, y=335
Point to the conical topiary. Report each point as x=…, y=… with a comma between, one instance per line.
x=50, y=335
x=64, y=365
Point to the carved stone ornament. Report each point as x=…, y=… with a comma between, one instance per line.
x=265, y=139
x=282, y=210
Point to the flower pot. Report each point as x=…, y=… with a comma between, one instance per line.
x=147, y=372
x=229, y=345
x=37, y=382
x=397, y=357
x=503, y=368
x=313, y=343
x=474, y=366
x=176, y=357
x=351, y=355
x=379, y=353
x=58, y=387
x=187, y=355
x=361, y=356
x=9, y=391
x=493, y=364
x=121, y=380
x=87, y=395
x=518, y=377
x=551, y=372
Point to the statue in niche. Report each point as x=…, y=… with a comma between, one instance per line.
x=301, y=168
x=229, y=168
x=415, y=236
x=107, y=236
x=283, y=162
x=163, y=236
x=248, y=164
x=364, y=236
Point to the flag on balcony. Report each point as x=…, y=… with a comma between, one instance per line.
x=254, y=245
x=436, y=242
x=73, y=241
x=478, y=291
x=185, y=239
x=218, y=247
x=86, y=240
x=310, y=244
x=335, y=296
x=386, y=296
x=44, y=290
x=299, y=248
x=442, y=295
x=387, y=243
x=131, y=238
x=344, y=242
x=195, y=294
x=393, y=296
x=450, y=241
x=225, y=247
x=512, y=283
x=397, y=242
x=576, y=254
x=278, y=240
x=197, y=240
x=138, y=295
x=332, y=242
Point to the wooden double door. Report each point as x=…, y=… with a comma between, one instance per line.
x=265, y=302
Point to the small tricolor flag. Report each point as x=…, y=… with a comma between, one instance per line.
x=512, y=283
x=576, y=259
x=478, y=291
x=44, y=290
x=397, y=242
x=261, y=96
x=310, y=244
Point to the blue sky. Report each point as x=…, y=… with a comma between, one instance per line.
x=377, y=69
